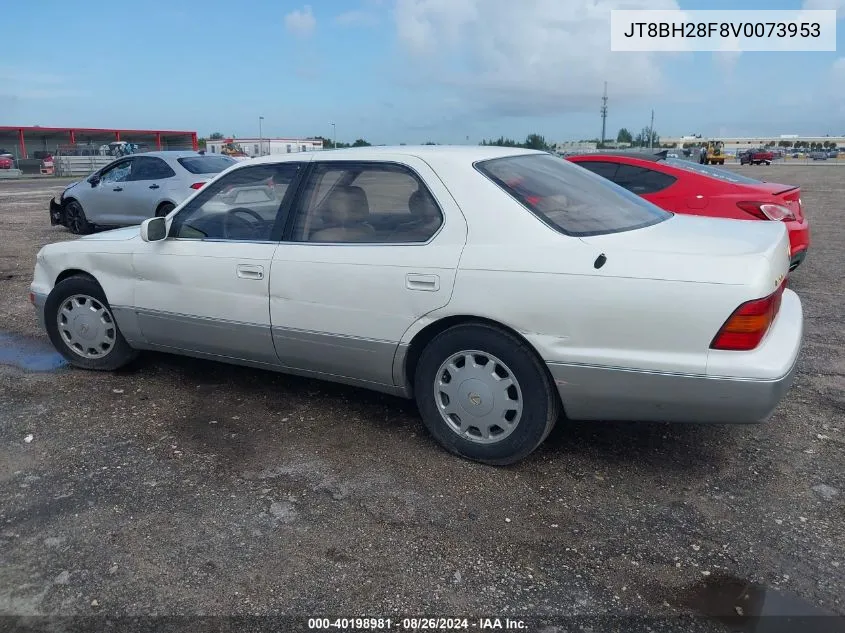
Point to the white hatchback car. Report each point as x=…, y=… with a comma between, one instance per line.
x=496, y=286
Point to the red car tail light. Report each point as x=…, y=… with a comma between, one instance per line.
x=748, y=324
x=766, y=210
x=198, y=185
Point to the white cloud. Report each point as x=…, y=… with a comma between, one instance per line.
x=527, y=57
x=357, y=17
x=727, y=60
x=301, y=22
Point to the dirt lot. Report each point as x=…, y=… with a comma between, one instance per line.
x=185, y=487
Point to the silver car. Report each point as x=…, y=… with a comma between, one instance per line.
x=133, y=188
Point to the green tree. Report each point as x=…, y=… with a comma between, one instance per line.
x=647, y=134
x=536, y=141
x=624, y=136
x=360, y=143
x=215, y=136
x=500, y=142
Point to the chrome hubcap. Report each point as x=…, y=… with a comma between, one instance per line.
x=86, y=326
x=478, y=396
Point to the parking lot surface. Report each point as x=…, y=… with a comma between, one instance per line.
x=180, y=486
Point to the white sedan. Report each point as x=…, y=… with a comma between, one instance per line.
x=498, y=287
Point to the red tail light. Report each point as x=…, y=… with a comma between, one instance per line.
x=748, y=324
x=198, y=185
x=767, y=210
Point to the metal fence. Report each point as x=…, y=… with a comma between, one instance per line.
x=82, y=159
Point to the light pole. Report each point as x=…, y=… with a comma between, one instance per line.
x=260, y=137
x=334, y=135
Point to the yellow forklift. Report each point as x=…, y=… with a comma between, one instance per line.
x=715, y=153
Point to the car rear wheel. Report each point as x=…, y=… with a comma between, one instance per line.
x=484, y=394
x=164, y=209
x=76, y=220
x=82, y=327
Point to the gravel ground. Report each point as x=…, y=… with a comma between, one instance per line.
x=190, y=487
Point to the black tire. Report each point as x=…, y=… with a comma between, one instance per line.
x=75, y=219
x=164, y=209
x=119, y=354
x=540, y=400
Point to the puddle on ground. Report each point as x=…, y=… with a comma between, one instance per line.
x=753, y=608
x=29, y=354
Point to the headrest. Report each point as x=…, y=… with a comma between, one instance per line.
x=421, y=205
x=348, y=205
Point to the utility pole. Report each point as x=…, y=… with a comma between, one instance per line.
x=603, y=114
x=334, y=135
x=651, y=131
x=260, y=137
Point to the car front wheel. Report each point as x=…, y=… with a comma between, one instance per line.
x=75, y=218
x=484, y=394
x=82, y=327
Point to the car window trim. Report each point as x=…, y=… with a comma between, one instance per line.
x=300, y=196
x=283, y=209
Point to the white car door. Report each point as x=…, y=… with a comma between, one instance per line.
x=205, y=289
x=372, y=247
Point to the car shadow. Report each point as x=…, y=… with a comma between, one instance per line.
x=652, y=445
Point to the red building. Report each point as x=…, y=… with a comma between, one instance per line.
x=24, y=141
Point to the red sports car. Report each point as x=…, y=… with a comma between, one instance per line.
x=686, y=187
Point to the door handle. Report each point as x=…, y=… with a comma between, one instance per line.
x=154, y=186
x=417, y=281
x=118, y=189
x=247, y=271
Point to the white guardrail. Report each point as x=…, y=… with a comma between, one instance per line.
x=79, y=165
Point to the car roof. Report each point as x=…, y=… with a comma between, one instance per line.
x=167, y=154
x=470, y=153
x=643, y=155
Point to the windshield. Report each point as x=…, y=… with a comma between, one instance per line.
x=570, y=199
x=713, y=172
x=206, y=164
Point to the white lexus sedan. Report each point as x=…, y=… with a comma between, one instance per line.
x=498, y=287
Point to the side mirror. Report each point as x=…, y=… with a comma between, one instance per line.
x=94, y=180
x=154, y=229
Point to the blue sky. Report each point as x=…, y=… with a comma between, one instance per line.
x=396, y=71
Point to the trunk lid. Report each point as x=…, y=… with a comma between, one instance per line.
x=709, y=250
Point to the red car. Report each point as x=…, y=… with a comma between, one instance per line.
x=683, y=186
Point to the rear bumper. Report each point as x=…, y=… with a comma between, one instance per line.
x=745, y=387
x=57, y=213
x=799, y=241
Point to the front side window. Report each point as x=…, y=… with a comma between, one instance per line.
x=366, y=202
x=568, y=198
x=118, y=173
x=244, y=205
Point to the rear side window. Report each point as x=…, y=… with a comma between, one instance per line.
x=568, y=198
x=640, y=180
x=600, y=167
x=206, y=164
x=149, y=168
